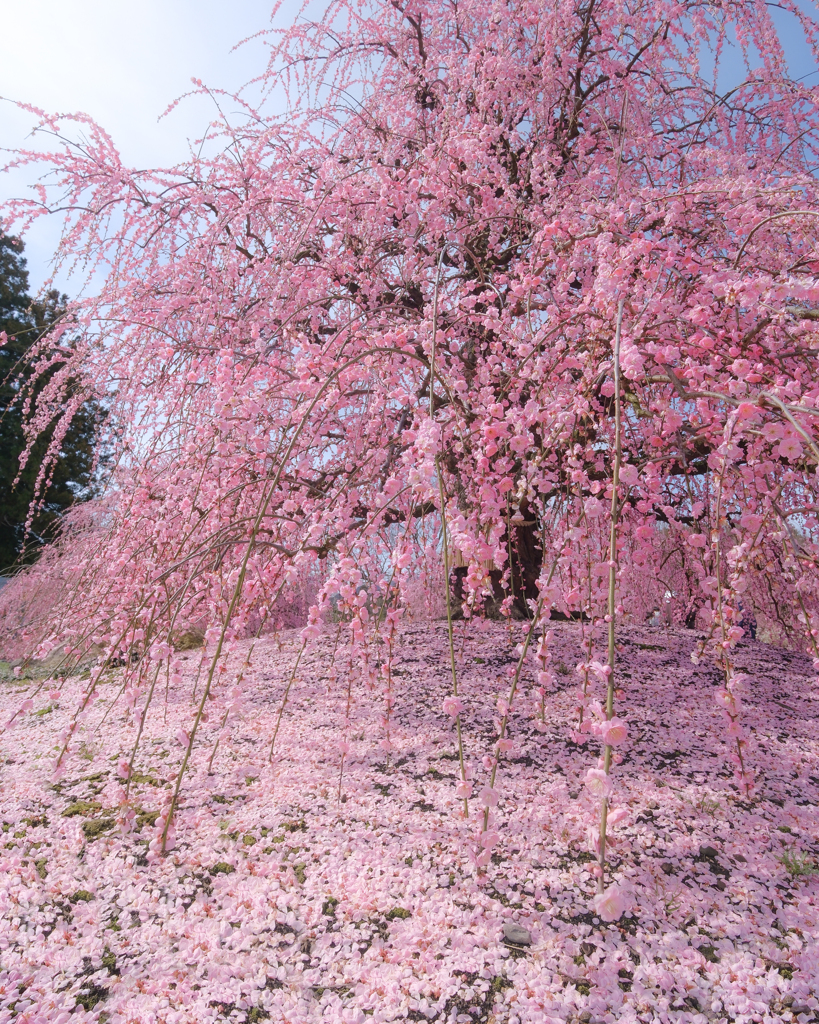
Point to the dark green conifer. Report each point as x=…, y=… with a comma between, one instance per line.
x=24, y=321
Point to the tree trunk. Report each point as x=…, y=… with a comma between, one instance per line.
x=526, y=556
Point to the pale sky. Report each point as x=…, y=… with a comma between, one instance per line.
x=122, y=63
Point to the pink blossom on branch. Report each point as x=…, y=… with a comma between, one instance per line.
x=613, y=732
x=453, y=706
x=598, y=782
x=610, y=904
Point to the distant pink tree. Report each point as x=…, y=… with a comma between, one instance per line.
x=520, y=267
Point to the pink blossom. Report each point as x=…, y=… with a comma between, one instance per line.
x=735, y=730
x=729, y=702
x=609, y=904
x=160, y=651
x=489, y=796
x=614, y=731
x=593, y=508
x=598, y=783
x=616, y=815
x=453, y=706
x=789, y=449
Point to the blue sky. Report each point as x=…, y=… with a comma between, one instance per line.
x=122, y=63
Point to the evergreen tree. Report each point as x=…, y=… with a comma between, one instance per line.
x=23, y=320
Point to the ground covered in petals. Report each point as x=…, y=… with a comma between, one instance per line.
x=302, y=889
